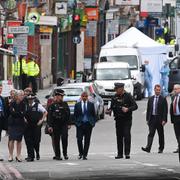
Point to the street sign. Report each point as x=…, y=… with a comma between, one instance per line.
x=91, y=28
x=18, y=29
x=20, y=44
x=113, y=26
x=76, y=39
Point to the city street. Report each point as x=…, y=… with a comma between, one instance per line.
x=101, y=163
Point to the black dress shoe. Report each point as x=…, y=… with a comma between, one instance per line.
x=37, y=156
x=84, y=158
x=145, y=149
x=30, y=159
x=160, y=151
x=1, y=159
x=119, y=157
x=66, y=157
x=127, y=156
x=57, y=158
x=80, y=157
x=176, y=151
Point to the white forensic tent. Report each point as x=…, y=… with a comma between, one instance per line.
x=149, y=49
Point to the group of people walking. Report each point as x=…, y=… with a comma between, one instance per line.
x=22, y=115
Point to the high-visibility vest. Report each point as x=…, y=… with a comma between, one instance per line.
x=172, y=42
x=33, y=69
x=16, y=68
x=160, y=40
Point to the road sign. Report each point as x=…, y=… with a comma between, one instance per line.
x=20, y=44
x=91, y=28
x=76, y=39
x=18, y=30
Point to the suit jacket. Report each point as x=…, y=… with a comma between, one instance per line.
x=162, y=109
x=174, y=119
x=78, y=114
x=3, y=120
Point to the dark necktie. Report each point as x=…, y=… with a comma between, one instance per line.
x=156, y=105
x=84, y=108
x=175, y=104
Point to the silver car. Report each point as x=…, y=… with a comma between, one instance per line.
x=73, y=93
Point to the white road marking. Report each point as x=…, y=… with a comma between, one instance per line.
x=144, y=112
x=176, y=178
x=169, y=170
x=71, y=164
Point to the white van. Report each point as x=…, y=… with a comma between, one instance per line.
x=105, y=74
x=130, y=56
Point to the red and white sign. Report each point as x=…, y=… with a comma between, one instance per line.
x=13, y=23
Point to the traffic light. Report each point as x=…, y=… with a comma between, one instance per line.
x=76, y=25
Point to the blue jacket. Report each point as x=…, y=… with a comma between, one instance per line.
x=78, y=114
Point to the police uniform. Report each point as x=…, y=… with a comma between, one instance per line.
x=58, y=120
x=123, y=120
x=33, y=71
x=34, y=113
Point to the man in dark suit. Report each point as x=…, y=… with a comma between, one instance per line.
x=175, y=113
x=3, y=114
x=85, y=119
x=156, y=117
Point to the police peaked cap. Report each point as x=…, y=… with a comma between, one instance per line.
x=31, y=96
x=59, y=92
x=119, y=85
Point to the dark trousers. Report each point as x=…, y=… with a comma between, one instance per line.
x=24, y=81
x=61, y=133
x=32, y=82
x=177, y=133
x=123, y=135
x=155, y=124
x=32, y=138
x=84, y=132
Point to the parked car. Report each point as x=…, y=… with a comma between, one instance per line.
x=174, y=74
x=73, y=93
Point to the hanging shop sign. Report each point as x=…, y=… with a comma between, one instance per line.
x=92, y=13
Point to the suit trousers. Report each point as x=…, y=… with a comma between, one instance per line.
x=123, y=135
x=84, y=131
x=177, y=133
x=155, y=124
x=61, y=133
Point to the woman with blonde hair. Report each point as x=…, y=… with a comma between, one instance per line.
x=16, y=125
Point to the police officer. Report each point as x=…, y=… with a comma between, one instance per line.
x=58, y=121
x=33, y=72
x=122, y=105
x=35, y=116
